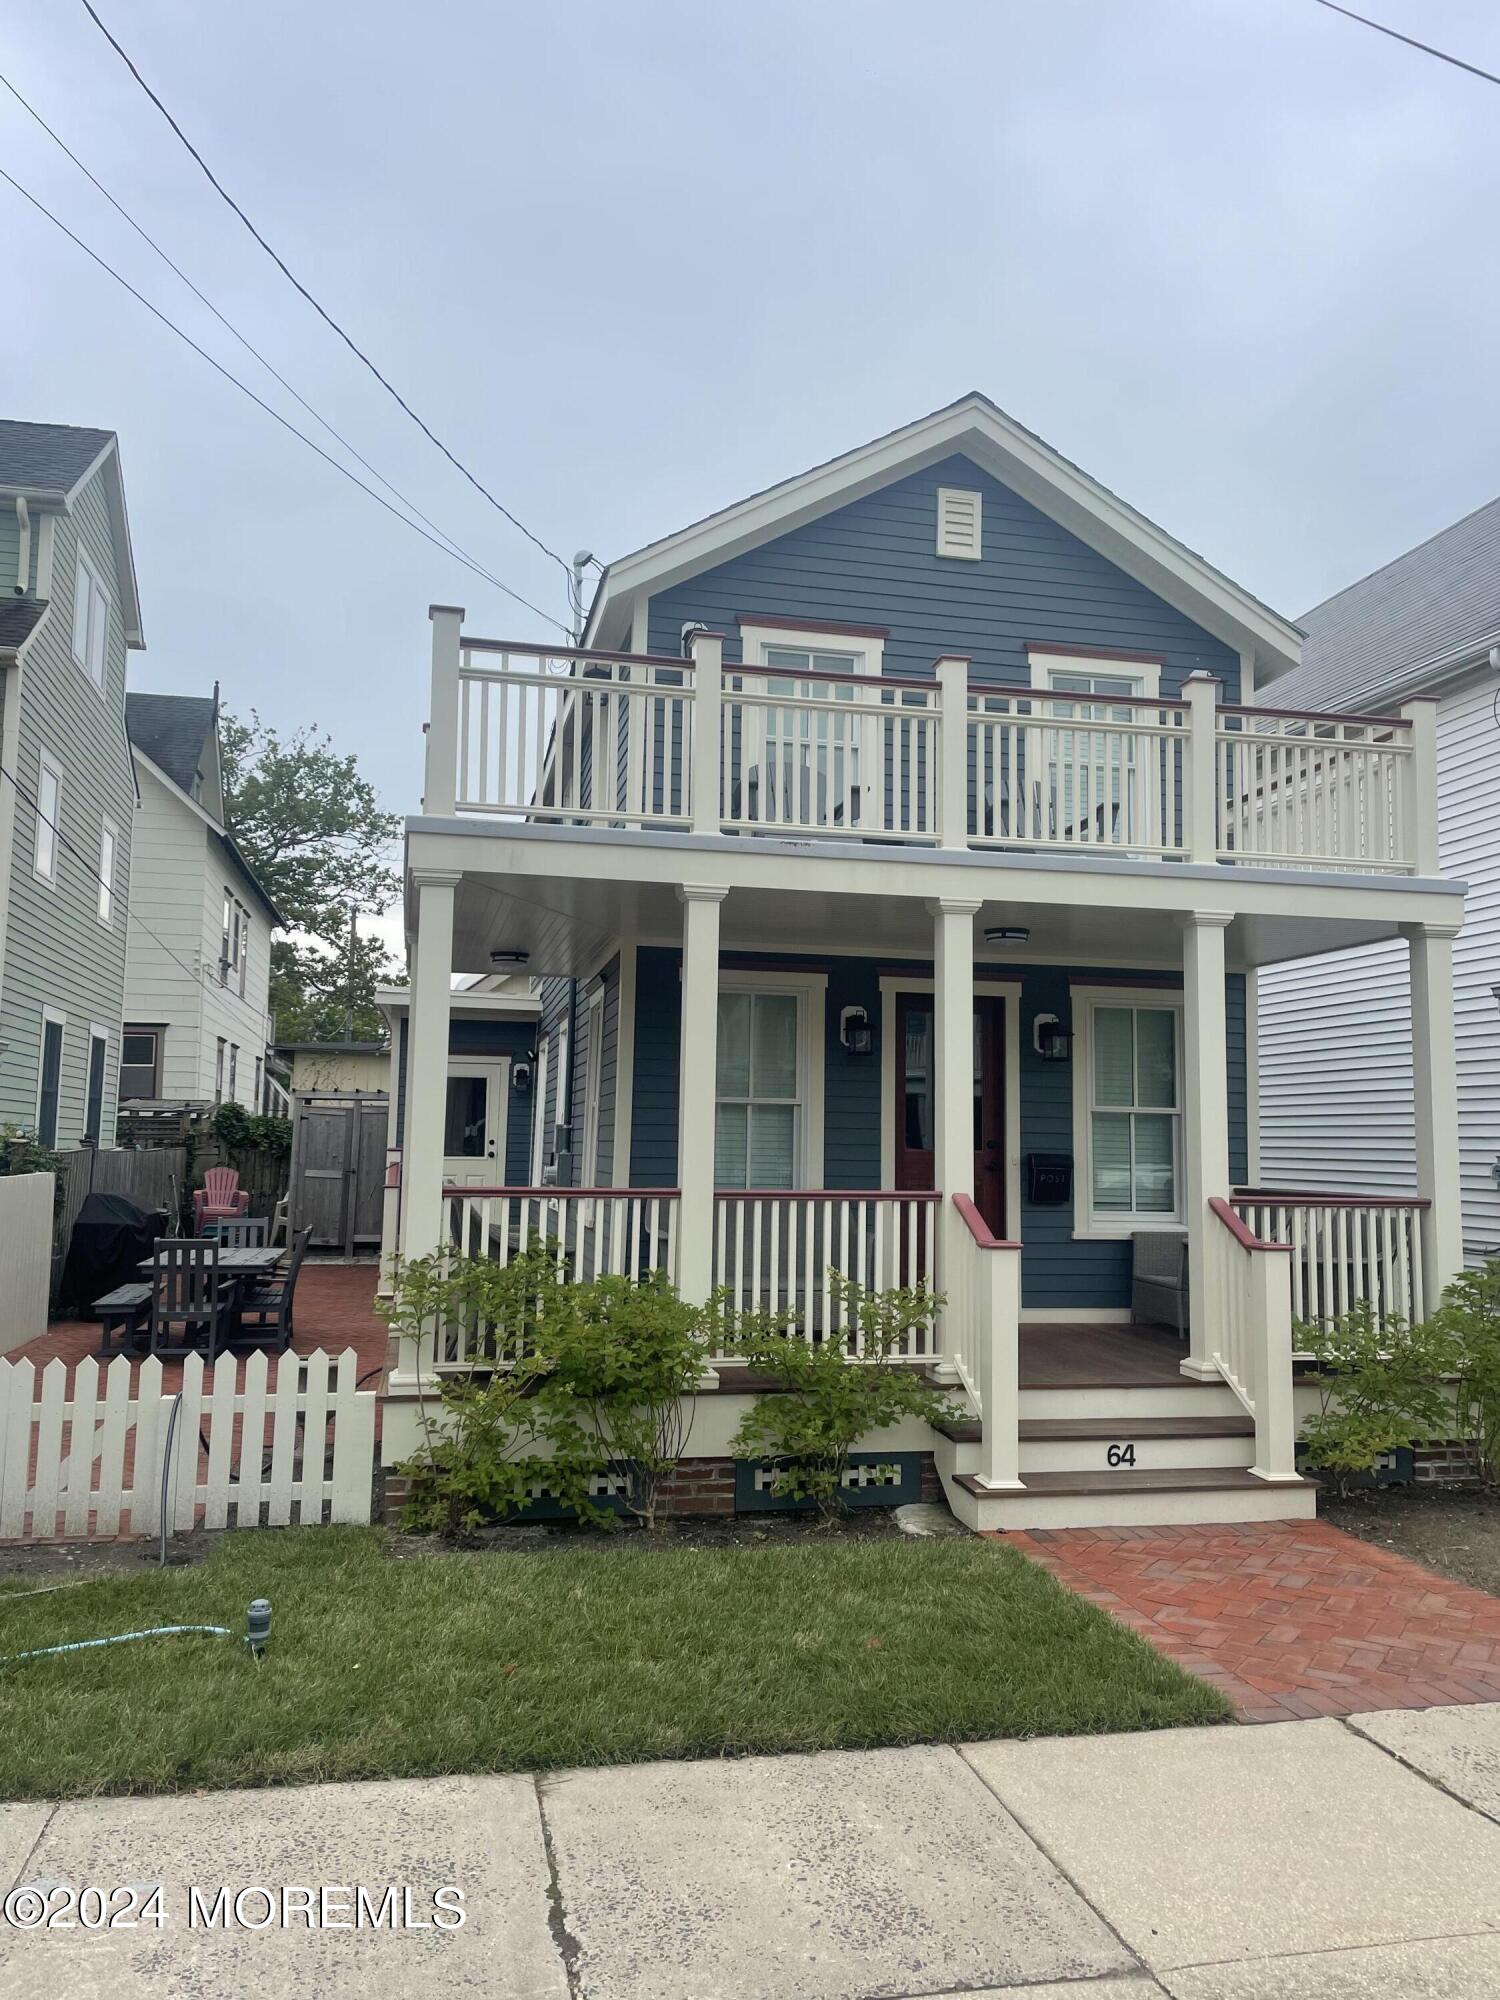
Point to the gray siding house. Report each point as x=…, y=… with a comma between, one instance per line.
x=1336, y=1104
x=69, y=613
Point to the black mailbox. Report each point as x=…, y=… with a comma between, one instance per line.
x=1049, y=1179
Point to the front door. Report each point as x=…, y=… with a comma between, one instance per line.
x=914, y=1100
x=474, y=1121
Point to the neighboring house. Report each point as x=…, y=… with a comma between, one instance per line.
x=1336, y=1104
x=68, y=614
x=892, y=861
x=197, y=1022
x=359, y=1068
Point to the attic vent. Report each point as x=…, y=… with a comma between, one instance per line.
x=959, y=523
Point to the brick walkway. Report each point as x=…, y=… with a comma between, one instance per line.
x=1288, y=1618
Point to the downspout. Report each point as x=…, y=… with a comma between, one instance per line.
x=23, y=552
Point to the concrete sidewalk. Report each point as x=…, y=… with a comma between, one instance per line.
x=1299, y=1861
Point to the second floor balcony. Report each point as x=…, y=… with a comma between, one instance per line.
x=952, y=761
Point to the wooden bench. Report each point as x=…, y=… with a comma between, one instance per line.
x=122, y=1313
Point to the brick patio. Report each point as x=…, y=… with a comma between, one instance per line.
x=1288, y=1618
x=334, y=1310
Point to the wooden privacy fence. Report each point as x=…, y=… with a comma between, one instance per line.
x=152, y=1179
x=239, y=1454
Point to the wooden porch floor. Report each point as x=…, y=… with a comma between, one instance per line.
x=1100, y=1357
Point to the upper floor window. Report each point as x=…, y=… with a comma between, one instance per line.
x=48, y=819
x=1096, y=675
x=108, y=843
x=90, y=621
x=233, y=942
x=244, y=959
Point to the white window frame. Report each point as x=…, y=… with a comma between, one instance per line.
x=863, y=651
x=1146, y=674
x=234, y=1072
x=1117, y=1223
x=48, y=767
x=226, y=937
x=221, y=1044
x=244, y=948
x=52, y=1017
x=593, y=1064
x=810, y=991
x=97, y=1035
x=109, y=844
x=539, y=1075
x=90, y=596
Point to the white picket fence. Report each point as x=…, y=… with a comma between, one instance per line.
x=240, y=1454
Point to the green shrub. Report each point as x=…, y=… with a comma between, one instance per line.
x=1470, y=1316
x=1379, y=1387
x=23, y=1153
x=242, y=1131
x=828, y=1400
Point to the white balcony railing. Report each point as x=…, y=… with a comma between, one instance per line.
x=1346, y=1249
x=569, y=736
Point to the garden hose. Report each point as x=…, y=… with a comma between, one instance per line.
x=116, y=1639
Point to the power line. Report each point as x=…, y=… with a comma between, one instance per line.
x=1380, y=29
x=217, y=185
x=312, y=445
x=225, y=322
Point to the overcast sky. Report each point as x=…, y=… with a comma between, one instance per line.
x=633, y=261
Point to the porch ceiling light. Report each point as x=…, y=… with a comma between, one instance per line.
x=1007, y=934
x=509, y=957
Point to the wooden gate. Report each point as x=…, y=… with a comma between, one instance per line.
x=338, y=1169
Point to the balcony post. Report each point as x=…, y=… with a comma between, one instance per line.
x=1435, y=1077
x=953, y=1074
x=440, y=776
x=697, y=1086
x=1422, y=786
x=1200, y=807
x=1205, y=1120
x=953, y=750
x=708, y=688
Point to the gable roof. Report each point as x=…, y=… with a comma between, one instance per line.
x=50, y=464
x=172, y=729
x=1019, y=459
x=1431, y=611
x=19, y=618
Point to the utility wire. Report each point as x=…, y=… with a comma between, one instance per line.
x=312, y=445
x=354, y=348
x=225, y=322
x=1380, y=29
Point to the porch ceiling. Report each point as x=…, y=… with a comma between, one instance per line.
x=567, y=923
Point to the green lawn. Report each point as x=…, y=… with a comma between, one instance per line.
x=491, y=1662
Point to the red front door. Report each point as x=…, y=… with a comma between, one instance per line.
x=914, y=1100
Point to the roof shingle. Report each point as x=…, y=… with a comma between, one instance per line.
x=49, y=458
x=19, y=618
x=171, y=730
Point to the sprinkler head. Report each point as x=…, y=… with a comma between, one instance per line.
x=258, y=1625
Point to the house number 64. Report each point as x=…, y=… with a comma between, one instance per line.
x=1120, y=1454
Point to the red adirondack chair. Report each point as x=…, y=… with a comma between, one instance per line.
x=219, y=1199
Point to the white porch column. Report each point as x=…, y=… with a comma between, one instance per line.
x=953, y=1071
x=440, y=776
x=427, y=1064
x=1205, y=1122
x=697, y=1086
x=1435, y=1079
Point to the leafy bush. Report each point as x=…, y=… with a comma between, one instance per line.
x=570, y=1381
x=829, y=1401
x=23, y=1153
x=1470, y=1316
x=1378, y=1387
x=242, y=1131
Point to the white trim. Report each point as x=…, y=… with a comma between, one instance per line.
x=593, y=1062
x=496, y=1072
x=1145, y=673
x=866, y=650
x=539, y=1078
x=810, y=989
x=47, y=762
x=96, y=607
x=1252, y=1079
x=619, y=1165
x=96, y=1034
x=1076, y=1316
x=1086, y=1227
x=976, y=428
x=562, y=1107
x=1008, y=990
x=640, y=623
x=960, y=523
x=105, y=918
x=51, y=1017
x=46, y=549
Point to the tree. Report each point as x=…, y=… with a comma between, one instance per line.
x=314, y=832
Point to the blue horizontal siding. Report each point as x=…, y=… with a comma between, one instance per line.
x=874, y=562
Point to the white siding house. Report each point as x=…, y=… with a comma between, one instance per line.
x=197, y=1025
x=1335, y=1073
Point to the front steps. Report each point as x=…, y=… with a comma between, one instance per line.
x=1121, y=1457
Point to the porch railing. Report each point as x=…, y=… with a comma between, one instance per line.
x=567, y=735
x=1250, y=1332
x=776, y=1251
x=1345, y=1249
x=982, y=1337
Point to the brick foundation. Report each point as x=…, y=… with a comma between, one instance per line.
x=1441, y=1464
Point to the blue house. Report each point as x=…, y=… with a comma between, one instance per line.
x=888, y=862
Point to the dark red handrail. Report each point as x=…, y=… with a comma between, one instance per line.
x=1316, y=1198
x=978, y=1228
x=1246, y=1239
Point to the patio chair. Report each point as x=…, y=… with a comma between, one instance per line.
x=192, y=1305
x=249, y=1232
x=267, y=1307
x=1159, y=1280
x=219, y=1199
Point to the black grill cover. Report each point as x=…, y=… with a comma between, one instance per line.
x=110, y=1238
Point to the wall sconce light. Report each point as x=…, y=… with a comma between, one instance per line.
x=1051, y=1040
x=520, y=1077
x=855, y=1032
